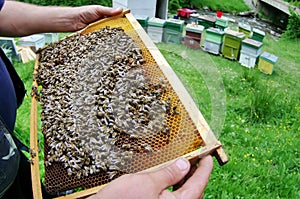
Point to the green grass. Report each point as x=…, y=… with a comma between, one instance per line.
x=232, y=6
x=22, y=127
x=256, y=116
x=261, y=132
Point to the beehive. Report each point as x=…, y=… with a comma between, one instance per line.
x=258, y=35
x=193, y=35
x=213, y=40
x=194, y=17
x=173, y=31
x=247, y=60
x=35, y=41
x=174, y=24
x=214, y=35
x=206, y=21
x=250, y=51
x=172, y=37
x=232, y=44
x=222, y=22
x=194, y=30
x=143, y=20
x=212, y=47
x=189, y=129
x=267, y=63
x=50, y=37
x=246, y=29
x=251, y=46
x=156, y=29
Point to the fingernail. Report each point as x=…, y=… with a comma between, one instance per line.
x=181, y=164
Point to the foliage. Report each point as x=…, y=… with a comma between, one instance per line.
x=293, y=27
x=294, y=2
x=226, y=6
x=69, y=3
x=176, y=4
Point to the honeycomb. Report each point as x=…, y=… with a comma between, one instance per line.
x=182, y=139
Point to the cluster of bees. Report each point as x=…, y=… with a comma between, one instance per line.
x=98, y=105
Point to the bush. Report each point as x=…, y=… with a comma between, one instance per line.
x=293, y=27
x=294, y=2
x=232, y=6
x=176, y=4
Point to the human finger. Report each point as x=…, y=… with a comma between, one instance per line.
x=170, y=174
x=107, y=11
x=188, y=175
x=194, y=187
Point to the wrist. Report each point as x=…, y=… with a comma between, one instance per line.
x=65, y=19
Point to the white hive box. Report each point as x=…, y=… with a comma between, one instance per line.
x=153, y=8
x=35, y=41
x=9, y=44
x=156, y=29
x=50, y=37
x=247, y=60
x=250, y=51
x=252, y=47
x=212, y=47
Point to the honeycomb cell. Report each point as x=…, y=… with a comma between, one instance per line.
x=182, y=138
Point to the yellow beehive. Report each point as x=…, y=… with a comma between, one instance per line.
x=267, y=63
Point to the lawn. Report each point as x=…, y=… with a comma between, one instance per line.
x=256, y=116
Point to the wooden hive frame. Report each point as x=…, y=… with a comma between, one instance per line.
x=211, y=144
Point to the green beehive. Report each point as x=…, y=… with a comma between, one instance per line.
x=143, y=21
x=258, y=35
x=222, y=22
x=174, y=24
x=171, y=36
x=155, y=29
x=156, y=22
x=267, y=63
x=173, y=31
x=232, y=44
x=246, y=29
x=206, y=21
x=214, y=35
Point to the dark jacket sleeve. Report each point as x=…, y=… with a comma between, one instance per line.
x=9, y=159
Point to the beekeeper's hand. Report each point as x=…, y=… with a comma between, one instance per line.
x=20, y=19
x=152, y=185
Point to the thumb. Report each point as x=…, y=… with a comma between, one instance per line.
x=170, y=174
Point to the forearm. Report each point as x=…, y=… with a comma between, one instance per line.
x=19, y=19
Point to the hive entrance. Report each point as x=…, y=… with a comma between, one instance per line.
x=107, y=109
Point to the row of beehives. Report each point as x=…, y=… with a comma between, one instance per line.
x=213, y=34
x=236, y=45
